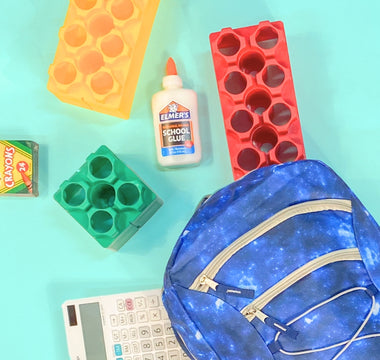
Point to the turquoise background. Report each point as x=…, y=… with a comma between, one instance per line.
x=47, y=258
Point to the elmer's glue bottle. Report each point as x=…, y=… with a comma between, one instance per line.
x=175, y=119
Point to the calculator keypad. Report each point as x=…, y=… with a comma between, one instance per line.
x=141, y=330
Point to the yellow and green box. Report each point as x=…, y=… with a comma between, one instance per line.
x=18, y=168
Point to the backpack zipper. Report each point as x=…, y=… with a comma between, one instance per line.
x=203, y=281
x=253, y=309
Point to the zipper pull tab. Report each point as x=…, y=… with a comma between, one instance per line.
x=205, y=280
x=284, y=329
x=273, y=323
x=226, y=289
x=234, y=291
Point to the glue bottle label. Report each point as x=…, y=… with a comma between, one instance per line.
x=176, y=130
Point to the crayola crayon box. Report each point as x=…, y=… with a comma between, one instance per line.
x=18, y=168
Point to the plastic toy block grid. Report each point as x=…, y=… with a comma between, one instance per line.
x=108, y=199
x=100, y=53
x=257, y=96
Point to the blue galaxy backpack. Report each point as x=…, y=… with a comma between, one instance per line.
x=281, y=264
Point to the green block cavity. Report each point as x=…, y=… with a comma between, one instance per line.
x=108, y=199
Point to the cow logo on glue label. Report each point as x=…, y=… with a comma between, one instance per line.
x=173, y=107
x=174, y=111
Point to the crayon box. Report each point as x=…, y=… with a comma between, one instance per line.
x=18, y=168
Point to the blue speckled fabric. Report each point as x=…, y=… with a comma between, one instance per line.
x=210, y=324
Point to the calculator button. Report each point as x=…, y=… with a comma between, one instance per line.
x=133, y=333
x=153, y=301
x=174, y=355
x=135, y=347
x=117, y=349
x=122, y=319
x=147, y=357
x=157, y=330
x=160, y=356
x=114, y=320
x=126, y=349
x=138, y=357
x=116, y=335
x=146, y=345
x=154, y=314
x=140, y=303
x=171, y=342
x=184, y=356
x=120, y=305
x=144, y=331
x=127, y=358
x=159, y=344
x=129, y=304
x=168, y=329
x=131, y=318
x=142, y=316
x=124, y=335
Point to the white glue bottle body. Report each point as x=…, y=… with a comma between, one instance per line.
x=175, y=120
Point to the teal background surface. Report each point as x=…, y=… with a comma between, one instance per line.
x=47, y=258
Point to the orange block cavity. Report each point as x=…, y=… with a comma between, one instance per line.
x=100, y=52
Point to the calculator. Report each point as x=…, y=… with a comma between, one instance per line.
x=129, y=326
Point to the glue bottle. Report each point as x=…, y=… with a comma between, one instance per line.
x=175, y=119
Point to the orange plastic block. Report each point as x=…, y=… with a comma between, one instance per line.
x=100, y=52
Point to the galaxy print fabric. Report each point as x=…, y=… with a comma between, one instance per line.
x=210, y=325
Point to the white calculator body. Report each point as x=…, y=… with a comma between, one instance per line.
x=130, y=326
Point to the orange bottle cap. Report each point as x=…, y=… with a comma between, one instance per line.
x=171, y=68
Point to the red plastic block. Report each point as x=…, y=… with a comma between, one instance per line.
x=257, y=95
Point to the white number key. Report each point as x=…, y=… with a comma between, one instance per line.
x=153, y=301
x=116, y=335
x=146, y=345
x=171, y=342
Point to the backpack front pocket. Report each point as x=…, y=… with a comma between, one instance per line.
x=205, y=279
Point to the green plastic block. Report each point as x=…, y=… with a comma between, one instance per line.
x=108, y=199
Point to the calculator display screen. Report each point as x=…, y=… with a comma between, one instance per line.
x=92, y=330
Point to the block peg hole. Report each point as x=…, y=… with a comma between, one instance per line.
x=102, y=83
x=112, y=45
x=102, y=196
x=85, y=4
x=251, y=63
x=75, y=35
x=286, y=151
x=101, y=221
x=264, y=139
x=101, y=167
x=90, y=62
x=235, y=83
x=65, y=73
x=267, y=38
x=242, y=121
x=100, y=25
x=122, y=9
x=228, y=45
x=248, y=159
x=280, y=114
x=273, y=76
x=74, y=194
x=258, y=102
x=128, y=194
